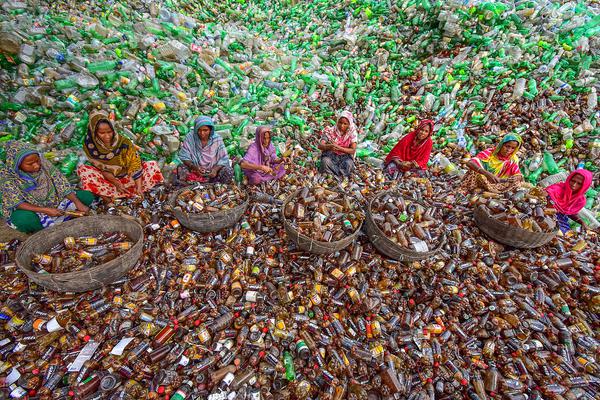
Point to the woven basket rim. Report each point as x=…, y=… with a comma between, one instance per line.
x=209, y=215
x=58, y=227
x=288, y=224
x=388, y=241
x=512, y=235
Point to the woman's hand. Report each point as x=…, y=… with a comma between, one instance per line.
x=82, y=207
x=266, y=169
x=52, y=212
x=120, y=187
x=213, y=172
x=492, y=178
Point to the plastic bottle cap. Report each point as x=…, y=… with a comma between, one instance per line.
x=71, y=393
x=197, y=322
x=463, y=382
x=429, y=380
x=265, y=329
x=86, y=338
x=35, y=371
x=160, y=390
x=32, y=392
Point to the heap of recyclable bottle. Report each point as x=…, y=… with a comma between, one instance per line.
x=242, y=314
x=478, y=68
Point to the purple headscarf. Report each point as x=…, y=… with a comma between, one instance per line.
x=257, y=153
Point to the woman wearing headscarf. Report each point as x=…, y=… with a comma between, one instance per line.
x=338, y=146
x=496, y=169
x=116, y=169
x=204, y=155
x=35, y=195
x=260, y=164
x=412, y=152
x=568, y=197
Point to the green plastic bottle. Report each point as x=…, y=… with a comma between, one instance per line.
x=549, y=163
x=238, y=174
x=288, y=363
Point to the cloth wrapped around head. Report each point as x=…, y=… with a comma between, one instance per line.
x=332, y=133
x=120, y=157
x=45, y=188
x=214, y=153
x=565, y=200
x=410, y=148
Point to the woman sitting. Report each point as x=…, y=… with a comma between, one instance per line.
x=338, y=146
x=412, y=152
x=260, y=164
x=35, y=195
x=204, y=155
x=116, y=170
x=568, y=197
x=496, y=169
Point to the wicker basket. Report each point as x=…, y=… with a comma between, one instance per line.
x=89, y=279
x=308, y=244
x=390, y=248
x=207, y=222
x=509, y=234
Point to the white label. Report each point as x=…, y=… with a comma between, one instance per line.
x=19, y=348
x=120, y=347
x=4, y=341
x=228, y=378
x=420, y=246
x=85, y=354
x=184, y=361
x=53, y=325
x=18, y=393
x=13, y=376
x=251, y=296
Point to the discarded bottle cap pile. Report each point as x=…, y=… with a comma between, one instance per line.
x=77, y=254
x=209, y=198
x=323, y=215
x=243, y=314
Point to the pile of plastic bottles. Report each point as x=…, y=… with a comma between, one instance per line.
x=243, y=314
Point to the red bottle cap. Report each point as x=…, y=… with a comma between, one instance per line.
x=463, y=382
x=86, y=338
x=160, y=390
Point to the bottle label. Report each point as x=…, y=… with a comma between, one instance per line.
x=53, y=325
x=120, y=347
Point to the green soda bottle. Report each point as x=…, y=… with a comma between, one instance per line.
x=288, y=363
x=238, y=174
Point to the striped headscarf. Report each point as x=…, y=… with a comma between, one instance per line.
x=502, y=167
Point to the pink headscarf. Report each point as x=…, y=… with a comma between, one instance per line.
x=333, y=135
x=565, y=201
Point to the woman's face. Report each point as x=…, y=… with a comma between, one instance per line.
x=576, y=182
x=204, y=133
x=343, y=124
x=105, y=133
x=266, y=138
x=424, y=132
x=31, y=164
x=508, y=148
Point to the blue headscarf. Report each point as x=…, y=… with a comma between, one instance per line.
x=214, y=153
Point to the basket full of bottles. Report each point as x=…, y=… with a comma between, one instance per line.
x=522, y=219
x=321, y=221
x=82, y=254
x=404, y=229
x=209, y=207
